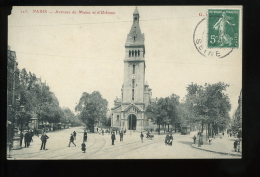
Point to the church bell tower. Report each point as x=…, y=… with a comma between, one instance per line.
x=134, y=64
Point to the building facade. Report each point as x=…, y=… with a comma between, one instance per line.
x=128, y=111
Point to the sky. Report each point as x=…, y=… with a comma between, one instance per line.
x=84, y=52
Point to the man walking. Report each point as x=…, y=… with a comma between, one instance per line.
x=31, y=135
x=85, y=136
x=113, y=138
x=142, y=136
x=121, y=133
x=167, y=139
x=194, y=139
x=74, y=134
x=170, y=139
x=21, y=138
x=102, y=132
x=44, y=138
x=26, y=139
x=71, y=140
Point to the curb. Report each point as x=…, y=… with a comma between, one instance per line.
x=225, y=153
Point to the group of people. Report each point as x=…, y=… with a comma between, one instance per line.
x=113, y=136
x=168, y=139
x=28, y=138
x=72, y=138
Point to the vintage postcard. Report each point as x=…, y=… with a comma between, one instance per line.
x=124, y=82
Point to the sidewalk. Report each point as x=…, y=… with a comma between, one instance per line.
x=221, y=146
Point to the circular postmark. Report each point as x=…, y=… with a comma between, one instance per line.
x=200, y=42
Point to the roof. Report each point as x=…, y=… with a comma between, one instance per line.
x=132, y=106
x=118, y=100
x=136, y=11
x=135, y=36
x=115, y=107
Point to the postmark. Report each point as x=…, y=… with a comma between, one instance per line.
x=223, y=28
x=200, y=42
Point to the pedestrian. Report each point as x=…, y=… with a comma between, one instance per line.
x=31, y=135
x=170, y=139
x=121, y=133
x=210, y=141
x=74, y=134
x=147, y=134
x=26, y=139
x=85, y=136
x=194, y=139
x=167, y=139
x=71, y=140
x=21, y=138
x=235, y=145
x=97, y=129
x=83, y=147
x=223, y=134
x=230, y=134
x=151, y=130
x=125, y=131
x=238, y=146
x=44, y=138
x=102, y=132
x=142, y=136
x=113, y=137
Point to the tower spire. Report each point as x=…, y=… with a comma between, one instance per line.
x=135, y=36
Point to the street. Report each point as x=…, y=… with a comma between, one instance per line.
x=99, y=147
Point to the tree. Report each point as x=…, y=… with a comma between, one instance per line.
x=156, y=113
x=171, y=107
x=92, y=108
x=209, y=106
x=69, y=116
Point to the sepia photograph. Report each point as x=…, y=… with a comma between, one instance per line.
x=124, y=82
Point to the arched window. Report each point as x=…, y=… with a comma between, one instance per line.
x=133, y=94
x=132, y=53
x=129, y=53
x=135, y=53
x=133, y=69
x=138, y=53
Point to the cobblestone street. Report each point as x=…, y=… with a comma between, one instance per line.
x=99, y=147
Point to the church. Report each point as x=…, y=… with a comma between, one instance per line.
x=129, y=110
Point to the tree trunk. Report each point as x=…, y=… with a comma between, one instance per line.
x=202, y=126
x=175, y=126
x=168, y=127
x=159, y=130
x=212, y=130
x=206, y=132
x=21, y=127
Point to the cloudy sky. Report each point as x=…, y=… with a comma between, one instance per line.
x=78, y=53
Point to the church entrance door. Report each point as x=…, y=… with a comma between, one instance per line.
x=132, y=122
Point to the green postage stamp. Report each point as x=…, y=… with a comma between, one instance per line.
x=223, y=28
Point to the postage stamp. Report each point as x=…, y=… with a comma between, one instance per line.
x=200, y=42
x=223, y=28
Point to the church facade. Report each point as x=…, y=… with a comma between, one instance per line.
x=128, y=111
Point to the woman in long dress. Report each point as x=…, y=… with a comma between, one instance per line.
x=224, y=38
